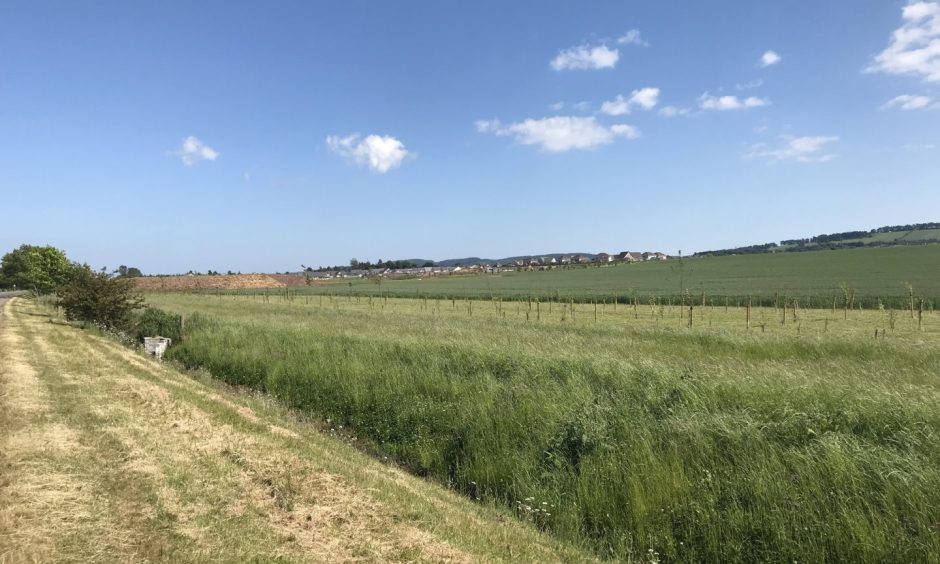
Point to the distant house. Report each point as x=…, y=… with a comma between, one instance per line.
x=628, y=256
x=603, y=257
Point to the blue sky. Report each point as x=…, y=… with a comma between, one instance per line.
x=259, y=136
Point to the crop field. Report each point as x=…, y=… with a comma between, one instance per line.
x=875, y=275
x=746, y=434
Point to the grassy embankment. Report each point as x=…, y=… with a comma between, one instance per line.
x=107, y=456
x=807, y=440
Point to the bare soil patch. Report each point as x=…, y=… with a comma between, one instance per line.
x=221, y=282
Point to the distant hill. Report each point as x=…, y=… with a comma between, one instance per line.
x=478, y=260
x=887, y=236
x=890, y=235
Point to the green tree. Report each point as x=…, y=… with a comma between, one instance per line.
x=30, y=267
x=128, y=272
x=96, y=297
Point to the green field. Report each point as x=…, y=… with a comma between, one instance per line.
x=917, y=235
x=620, y=429
x=878, y=274
x=902, y=237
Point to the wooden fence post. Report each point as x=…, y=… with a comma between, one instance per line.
x=748, y=312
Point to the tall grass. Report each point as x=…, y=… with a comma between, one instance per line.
x=693, y=445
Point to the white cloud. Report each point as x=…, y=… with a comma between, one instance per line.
x=581, y=106
x=645, y=98
x=673, y=111
x=381, y=153
x=585, y=57
x=708, y=102
x=632, y=37
x=907, y=102
x=557, y=106
x=616, y=107
x=193, y=151
x=561, y=133
x=915, y=46
x=769, y=58
x=800, y=149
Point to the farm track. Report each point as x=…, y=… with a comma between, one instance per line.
x=106, y=455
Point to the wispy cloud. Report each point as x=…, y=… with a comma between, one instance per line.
x=380, y=153
x=749, y=85
x=799, y=149
x=559, y=134
x=723, y=103
x=673, y=111
x=582, y=106
x=645, y=98
x=632, y=37
x=769, y=58
x=586, y=57
x=193, y=151
x=907, y=102
x=915, y=46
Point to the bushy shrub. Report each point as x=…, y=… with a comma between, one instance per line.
x=153, y=322
x=94, y=297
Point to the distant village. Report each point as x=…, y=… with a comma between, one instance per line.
x=530, y=263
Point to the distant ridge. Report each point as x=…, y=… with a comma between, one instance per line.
x=478, y=260
x=887, y=236
x=890, y=235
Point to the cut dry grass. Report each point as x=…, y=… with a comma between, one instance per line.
x=108, y=456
